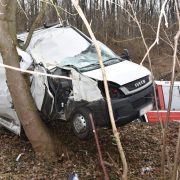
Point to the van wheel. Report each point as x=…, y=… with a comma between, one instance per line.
x=81, y=124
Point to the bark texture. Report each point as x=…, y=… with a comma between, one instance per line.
x=34, y=128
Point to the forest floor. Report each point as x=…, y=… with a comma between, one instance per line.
x=141, y=143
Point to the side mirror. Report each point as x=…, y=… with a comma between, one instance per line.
x=125, y=55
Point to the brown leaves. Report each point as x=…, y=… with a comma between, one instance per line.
x=141, y=142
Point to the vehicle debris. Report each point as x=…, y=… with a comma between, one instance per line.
x=19, y=156
x=145, y=170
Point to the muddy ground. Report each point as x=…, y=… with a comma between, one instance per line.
x=141, y=142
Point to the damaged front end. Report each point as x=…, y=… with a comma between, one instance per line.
x=59, y=98
x=55, y=98
x=69, y=99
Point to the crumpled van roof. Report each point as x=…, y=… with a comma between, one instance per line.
x=50, y=45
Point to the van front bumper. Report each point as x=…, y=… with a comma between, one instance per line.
x=125, y=110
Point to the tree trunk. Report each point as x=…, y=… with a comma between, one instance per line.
x=26, y=110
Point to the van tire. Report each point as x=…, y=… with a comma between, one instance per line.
x=81, y=124
x=142, y=119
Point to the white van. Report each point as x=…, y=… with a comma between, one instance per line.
x=68, y=52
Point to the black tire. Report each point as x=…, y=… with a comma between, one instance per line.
x=81, y=124
x=142, y=119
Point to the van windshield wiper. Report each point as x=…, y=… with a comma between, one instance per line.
x=113, y=60
x=106, y=62
x=90, y=65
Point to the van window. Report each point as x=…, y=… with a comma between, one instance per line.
x=88, y=59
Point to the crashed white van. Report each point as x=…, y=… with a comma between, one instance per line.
x=66, y=51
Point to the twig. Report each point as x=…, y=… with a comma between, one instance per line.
x=168, y=162
x=33, y=72
x=162, y=13
x=33, y=27
x=59, y=7
x=177, y=155
x=115, y=132
x=55, y=7
x=169, y=104
x=98, y=148
x=114, y=164
x=176, y=158
x=125, y=40
x=22, y=9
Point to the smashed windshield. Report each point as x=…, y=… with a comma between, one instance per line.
x=88, y=59
x=66, y=47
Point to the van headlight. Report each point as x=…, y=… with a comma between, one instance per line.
x=115, y=92
x=150, y=78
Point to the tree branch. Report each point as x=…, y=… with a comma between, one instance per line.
x=34, y=26
x=115, y=132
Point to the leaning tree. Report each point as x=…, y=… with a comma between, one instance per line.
x=34, y=128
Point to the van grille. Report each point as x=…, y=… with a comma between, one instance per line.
x=137, y=83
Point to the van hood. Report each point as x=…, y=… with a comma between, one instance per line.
x=120, y=73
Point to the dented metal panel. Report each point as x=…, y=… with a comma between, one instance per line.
x=84, y=88
x=8, y=116
x=38, y=87
x=54, y=44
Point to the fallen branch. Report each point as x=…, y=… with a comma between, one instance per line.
x=114, y=164
x=98, y=148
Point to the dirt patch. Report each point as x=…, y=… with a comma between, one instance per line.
x=141, y=142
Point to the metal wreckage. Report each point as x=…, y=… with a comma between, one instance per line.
x=66, y=51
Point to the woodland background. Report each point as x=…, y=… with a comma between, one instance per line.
x=112, y=24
